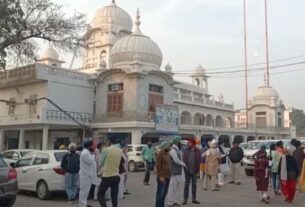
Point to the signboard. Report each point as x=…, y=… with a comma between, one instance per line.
x=167, y=118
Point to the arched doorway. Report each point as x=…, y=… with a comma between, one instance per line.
x=199, y=119
x=187, y=136
x=207, y=137
x=228, y=123
x=153, y=137
x=186, y=118
x=225, y=139
x=238, y=138
x=209, y=120
x=261, y=138
x=219, y=122
x=250, y=138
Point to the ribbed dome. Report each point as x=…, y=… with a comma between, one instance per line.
x=266, y=92
x=199, y=70
x=136, y=46
x=114, y=15
x=50, y=53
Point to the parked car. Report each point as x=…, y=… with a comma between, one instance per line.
x=250, y=149
x=11, y=156
x=8, y=184
x=40, y=172
x=135, y=158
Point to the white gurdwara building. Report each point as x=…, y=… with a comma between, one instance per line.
x=121, y=91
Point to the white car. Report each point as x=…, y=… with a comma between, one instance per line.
x=40, y=172
x=250, y=149
x=12, y=156
x=135, y=160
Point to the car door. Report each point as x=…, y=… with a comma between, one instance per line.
x=23, y=175
x=40, y=168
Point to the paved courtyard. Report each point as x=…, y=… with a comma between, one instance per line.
x=143, y=196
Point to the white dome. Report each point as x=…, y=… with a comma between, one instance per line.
x=136, y=45
x=266, y=92
x=114, y=15
x=199, y=70
x=50, y=53
x=168, y=67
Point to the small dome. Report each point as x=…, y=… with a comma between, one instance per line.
x=168, y=67
x=266, y=92
x=147, y=51
x=114, y=15
x=50, y=53
x=199, y=70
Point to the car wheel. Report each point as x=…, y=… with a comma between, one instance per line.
x=249, y=172
x=43, y=192
x=8, y=202
x=132, y=167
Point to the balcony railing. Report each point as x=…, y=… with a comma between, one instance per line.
x=61, y=116
x=125, y=116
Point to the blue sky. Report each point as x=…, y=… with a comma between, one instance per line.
x=211, y=32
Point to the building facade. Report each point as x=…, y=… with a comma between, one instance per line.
x=121, y=91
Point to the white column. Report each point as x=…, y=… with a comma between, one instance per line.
x=45, y=135
x=21, y=139
x=1, y=140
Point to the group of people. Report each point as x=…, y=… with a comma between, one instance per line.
x=100, y=168
x=176, y=165
x=284, y=167
x=96, y=169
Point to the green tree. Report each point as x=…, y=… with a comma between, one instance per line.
x=24, y=21
x=298, y=120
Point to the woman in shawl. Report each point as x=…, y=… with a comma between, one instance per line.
x=289, y=172
x=261, y=174
x=212, y=163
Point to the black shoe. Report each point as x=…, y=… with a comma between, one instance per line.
x=231, y=182
x=126, y=193
x=184, y=202
x=196, y=202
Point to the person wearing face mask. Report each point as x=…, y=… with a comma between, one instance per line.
x=148, y=155
x=70, y=164
x=87, y=174
x=163, y=171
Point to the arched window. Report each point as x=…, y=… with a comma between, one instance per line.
x=219, y=122
x=186, y=118
x=103, y=55
x=197, y=81
x=209, y=120
x=199, y=119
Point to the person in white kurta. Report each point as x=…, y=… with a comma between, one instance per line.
x=87, y=174
x=177, y=177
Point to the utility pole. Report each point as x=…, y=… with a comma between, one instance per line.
x=267, y=43
x=246, y=60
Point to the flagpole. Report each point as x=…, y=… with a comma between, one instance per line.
x=246, y=60
x=267, y=43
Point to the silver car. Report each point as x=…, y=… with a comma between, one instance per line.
x=8, y=184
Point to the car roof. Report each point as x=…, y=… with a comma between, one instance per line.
x=21, y=150
x=265, y=140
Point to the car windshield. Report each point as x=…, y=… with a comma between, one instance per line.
x=252, y=145
x=59, y=156
x=266, y=144
x=2, y=163
x=23, y=153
